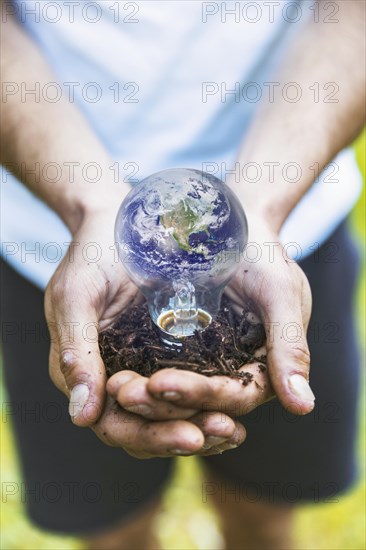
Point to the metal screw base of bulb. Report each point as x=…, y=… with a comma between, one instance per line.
x=168, y=328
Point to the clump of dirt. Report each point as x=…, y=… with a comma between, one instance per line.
x=227, y=344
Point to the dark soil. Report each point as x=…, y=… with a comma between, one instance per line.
x=227, y=344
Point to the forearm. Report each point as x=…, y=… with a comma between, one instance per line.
x=306, y=133
x=39, y=133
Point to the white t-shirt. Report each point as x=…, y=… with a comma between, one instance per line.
x=166, y=84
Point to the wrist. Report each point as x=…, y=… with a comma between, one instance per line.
x=103, y=202
x=272, y=189
x=260, y=229
x=269, y=214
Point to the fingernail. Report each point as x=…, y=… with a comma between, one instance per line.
x=170, y=395
x=143, y=410
x=213, y=441
x=181, y=452
x=301, y=388
x=78, y=399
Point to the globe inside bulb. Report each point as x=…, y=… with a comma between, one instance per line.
x=180, y=235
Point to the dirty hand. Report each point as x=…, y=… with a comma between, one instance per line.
x=280, y=292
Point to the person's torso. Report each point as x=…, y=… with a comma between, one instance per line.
x=164, y=84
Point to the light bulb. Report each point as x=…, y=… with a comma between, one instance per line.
x=180, y=235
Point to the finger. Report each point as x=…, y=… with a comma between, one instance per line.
x=288, y=356
x=119, y=378
x=145, y=439
x=134, y=397
x=221, y=432
x=76, y=330
x=216, y=393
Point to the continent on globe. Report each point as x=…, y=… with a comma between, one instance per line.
x=185, y=221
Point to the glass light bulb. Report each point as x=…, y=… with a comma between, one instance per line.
x=180, y=235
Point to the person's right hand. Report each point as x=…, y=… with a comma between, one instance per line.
x=86, y=294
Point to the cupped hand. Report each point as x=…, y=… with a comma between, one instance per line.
x=85, y=295
x=280, y=292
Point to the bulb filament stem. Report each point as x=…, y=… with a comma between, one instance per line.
x=184, y=308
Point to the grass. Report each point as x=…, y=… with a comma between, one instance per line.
x=190, y=524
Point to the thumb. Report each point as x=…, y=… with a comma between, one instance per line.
x=288, y=354
x=78, y=367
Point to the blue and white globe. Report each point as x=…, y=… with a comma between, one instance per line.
x=181, y=226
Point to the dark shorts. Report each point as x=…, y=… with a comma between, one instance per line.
x=75, y=484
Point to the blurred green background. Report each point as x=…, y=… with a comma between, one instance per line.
x=187, y=523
